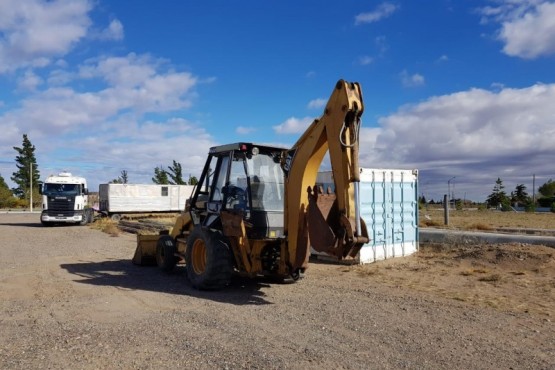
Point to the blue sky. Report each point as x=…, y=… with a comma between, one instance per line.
x=452, y=88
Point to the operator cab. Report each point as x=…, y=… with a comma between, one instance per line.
x=243, y=178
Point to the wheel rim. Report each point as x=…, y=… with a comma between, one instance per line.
x=199, y=256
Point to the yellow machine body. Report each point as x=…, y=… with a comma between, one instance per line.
x=256, y=209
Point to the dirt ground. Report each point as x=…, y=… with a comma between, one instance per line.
x=70, y=298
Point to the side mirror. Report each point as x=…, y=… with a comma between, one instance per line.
x=86, y=191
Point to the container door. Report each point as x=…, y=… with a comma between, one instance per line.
x=376, y=211
x=405, y=213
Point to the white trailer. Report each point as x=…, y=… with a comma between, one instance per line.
x=118, y=199
x=65, y=200
x=389, y=206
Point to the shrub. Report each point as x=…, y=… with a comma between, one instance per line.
x=530, y=207
x=506, y=207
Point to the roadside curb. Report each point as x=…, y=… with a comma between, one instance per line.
x=430, y=235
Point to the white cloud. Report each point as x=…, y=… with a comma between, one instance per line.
x=365, y=60
x=317, y=103
x=476, y=135
x=34, y=31
x=383, y=10
x=442, y=59
x=134, y=85
x=29, y=81
x=293, y=125
x=90, y=118
x=413, y=80
x=130, y=145
x=114, y=31
x=243, y=130
x=527, y=28
x=497, y=86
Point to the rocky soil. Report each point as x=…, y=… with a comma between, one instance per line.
x=71, y=298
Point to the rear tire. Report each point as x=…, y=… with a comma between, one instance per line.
x=165, y=257
x=209, y=260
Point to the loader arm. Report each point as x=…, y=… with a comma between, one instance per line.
x=342, y=232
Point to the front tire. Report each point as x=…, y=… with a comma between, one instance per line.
x=165, y=257
x=209, y=260
x=87, y=217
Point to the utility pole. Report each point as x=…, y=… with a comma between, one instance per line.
x=31, y=190
x=446, y=209
x=534, y=188
x=449, y=190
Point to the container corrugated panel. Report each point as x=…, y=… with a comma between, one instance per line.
x=389, y=206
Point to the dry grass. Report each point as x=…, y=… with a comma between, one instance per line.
x=107, y=226
x=514, y=277
x=490, y=278
x=487, y=220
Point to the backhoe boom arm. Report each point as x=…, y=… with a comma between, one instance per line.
x=342, y=232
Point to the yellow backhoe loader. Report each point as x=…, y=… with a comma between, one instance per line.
x=256, y=207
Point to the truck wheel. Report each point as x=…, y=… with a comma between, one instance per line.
x=165, y=249
x=115, y=217
x=86, y=218
x=91, y=215
x=209, y=260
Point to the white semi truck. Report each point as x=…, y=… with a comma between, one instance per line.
x=65, y=199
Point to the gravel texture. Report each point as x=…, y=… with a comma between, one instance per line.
x=71, y=298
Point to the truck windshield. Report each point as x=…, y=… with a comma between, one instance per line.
x=61, y=189
x=266, y=179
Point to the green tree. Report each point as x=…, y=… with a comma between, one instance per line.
x=121, y=179
x=192, y=180
x=175, y=173
x=22, y=177
x=160, y=176
x=7, y=200
x=519, y=195
x=498, y=196
x=547, y=189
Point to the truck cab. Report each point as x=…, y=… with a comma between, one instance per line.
x=64, y=200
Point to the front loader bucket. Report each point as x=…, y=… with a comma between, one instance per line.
x=145, y=254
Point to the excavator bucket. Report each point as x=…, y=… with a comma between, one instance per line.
x=322, y=238
x=328, y=230
x=145, y=254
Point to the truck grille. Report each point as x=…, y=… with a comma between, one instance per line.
x=53, y=213
x=61, y=204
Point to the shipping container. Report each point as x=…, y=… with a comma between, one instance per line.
x=117, y=199
x=389, y=206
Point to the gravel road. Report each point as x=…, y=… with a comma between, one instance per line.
x=70, y=298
